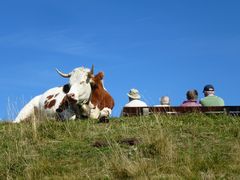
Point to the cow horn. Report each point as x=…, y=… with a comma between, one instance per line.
x=92, y=69
x=63, y=74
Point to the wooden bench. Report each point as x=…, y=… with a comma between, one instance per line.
x=139, y=111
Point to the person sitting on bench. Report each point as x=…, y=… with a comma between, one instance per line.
x=210, y=99
x=192, y=96
x=134, y=99
x=164, y=102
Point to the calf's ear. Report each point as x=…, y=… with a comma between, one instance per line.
x=100, y=75
x=66, y=88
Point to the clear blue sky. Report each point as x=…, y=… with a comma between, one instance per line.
x=159, y=47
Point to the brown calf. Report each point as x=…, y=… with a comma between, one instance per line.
x=100, y=97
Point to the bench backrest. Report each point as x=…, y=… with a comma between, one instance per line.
x=137, y=111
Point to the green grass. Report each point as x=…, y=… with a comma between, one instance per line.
x=191, y=146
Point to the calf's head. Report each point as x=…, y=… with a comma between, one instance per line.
x=96, y=81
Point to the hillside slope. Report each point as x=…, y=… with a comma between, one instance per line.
x=188, y=146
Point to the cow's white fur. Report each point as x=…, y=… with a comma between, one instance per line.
x=28, y=110
x=95, y=112
x=79, y=86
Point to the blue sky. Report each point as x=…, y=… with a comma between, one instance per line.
x=159, y=47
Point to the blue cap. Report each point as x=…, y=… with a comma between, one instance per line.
x=208, y=87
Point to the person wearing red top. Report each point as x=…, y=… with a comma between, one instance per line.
x=192, y=96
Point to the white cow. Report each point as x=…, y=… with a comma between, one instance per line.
x=100, y=103
x=76, y=93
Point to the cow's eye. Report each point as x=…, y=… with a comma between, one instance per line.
x=66, y=88
x=81, y=82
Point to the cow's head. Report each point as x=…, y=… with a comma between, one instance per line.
x=96, y=80
x=79, y=88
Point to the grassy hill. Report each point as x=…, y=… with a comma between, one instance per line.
x=191, y=146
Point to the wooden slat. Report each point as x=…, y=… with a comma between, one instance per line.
x=137, y=111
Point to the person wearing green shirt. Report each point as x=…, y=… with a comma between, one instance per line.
x=210, y=98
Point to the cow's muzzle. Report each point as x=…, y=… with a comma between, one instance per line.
x=71, y=98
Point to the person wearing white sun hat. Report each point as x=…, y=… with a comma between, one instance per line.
x=134, y=99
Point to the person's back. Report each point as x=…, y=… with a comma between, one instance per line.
x=136, y=103
x=210, y=98
x=134, y=99
x=192, y=96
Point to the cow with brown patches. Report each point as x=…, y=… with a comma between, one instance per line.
x=100, y=104
x=77, y=93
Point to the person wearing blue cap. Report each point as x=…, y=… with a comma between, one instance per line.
x=210, y=98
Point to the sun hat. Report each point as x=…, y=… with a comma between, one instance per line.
x=208, y=87
x=134, y=94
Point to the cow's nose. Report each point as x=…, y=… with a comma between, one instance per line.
x=71, y=95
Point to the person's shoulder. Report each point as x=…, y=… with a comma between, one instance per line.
x=142, y=103
x=129, y=104
x=219, y=97
x=202, y=99
x=135, y=103
x=190, y=103
x=220, y=100
x=207, y=98
x=184, y=102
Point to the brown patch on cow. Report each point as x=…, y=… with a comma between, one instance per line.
x=49, y=105
x=45, y=102
x=50, y=97
x=71, y=100
x=66, y=102
x=56, y=95
x=63, y=105
x=100, y=97
x=52, y=103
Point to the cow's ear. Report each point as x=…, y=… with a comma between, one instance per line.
x=100, y=75
x=66, y=88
